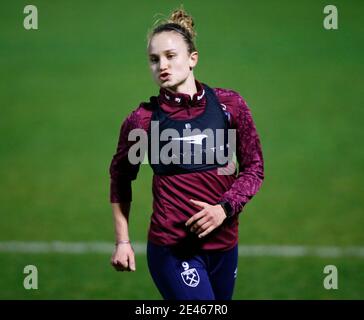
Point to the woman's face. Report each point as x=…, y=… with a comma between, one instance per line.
x=169, y=59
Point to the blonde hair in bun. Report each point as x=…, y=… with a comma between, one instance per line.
x=181, y=17
x=179, y=21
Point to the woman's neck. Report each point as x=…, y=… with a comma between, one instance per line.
x=187, y=87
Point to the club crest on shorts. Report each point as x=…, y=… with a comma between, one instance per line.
x=190, y=276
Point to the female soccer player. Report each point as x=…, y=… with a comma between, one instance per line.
x=192, y=249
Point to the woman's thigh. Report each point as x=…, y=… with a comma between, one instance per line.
x=179, y=277
x=222, y=268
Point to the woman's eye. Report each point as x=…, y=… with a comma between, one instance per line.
x=170, y=56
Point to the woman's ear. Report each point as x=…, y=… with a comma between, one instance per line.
x=193, y=59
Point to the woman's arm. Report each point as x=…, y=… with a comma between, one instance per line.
x=121, y=217
x=123, y=258
x=249, y=156
x=122, y=172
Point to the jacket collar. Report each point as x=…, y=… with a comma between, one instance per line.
x=183, y=99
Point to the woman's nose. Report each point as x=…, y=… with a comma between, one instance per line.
x=163, y=64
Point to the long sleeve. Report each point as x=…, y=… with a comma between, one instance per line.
x=250, y=160
x=122, y=172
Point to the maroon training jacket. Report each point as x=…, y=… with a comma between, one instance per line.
x=171, y=194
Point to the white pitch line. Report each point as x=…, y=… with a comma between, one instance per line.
x=140, y=248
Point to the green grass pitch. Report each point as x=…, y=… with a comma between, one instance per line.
x=66, y=87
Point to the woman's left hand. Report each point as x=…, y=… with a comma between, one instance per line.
x=206, y=220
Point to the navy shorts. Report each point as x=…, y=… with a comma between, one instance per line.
x=185, y=275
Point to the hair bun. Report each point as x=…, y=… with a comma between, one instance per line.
x=181, y=17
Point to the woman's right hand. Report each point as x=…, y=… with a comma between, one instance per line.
x=123, y=258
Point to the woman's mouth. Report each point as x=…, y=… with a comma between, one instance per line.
x=164, y=76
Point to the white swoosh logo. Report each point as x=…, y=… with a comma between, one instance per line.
x=197, y=139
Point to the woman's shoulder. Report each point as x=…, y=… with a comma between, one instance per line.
x=140, y=116
x=233, y=102
x=230, y=97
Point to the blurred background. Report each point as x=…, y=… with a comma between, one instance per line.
x=66, y=88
